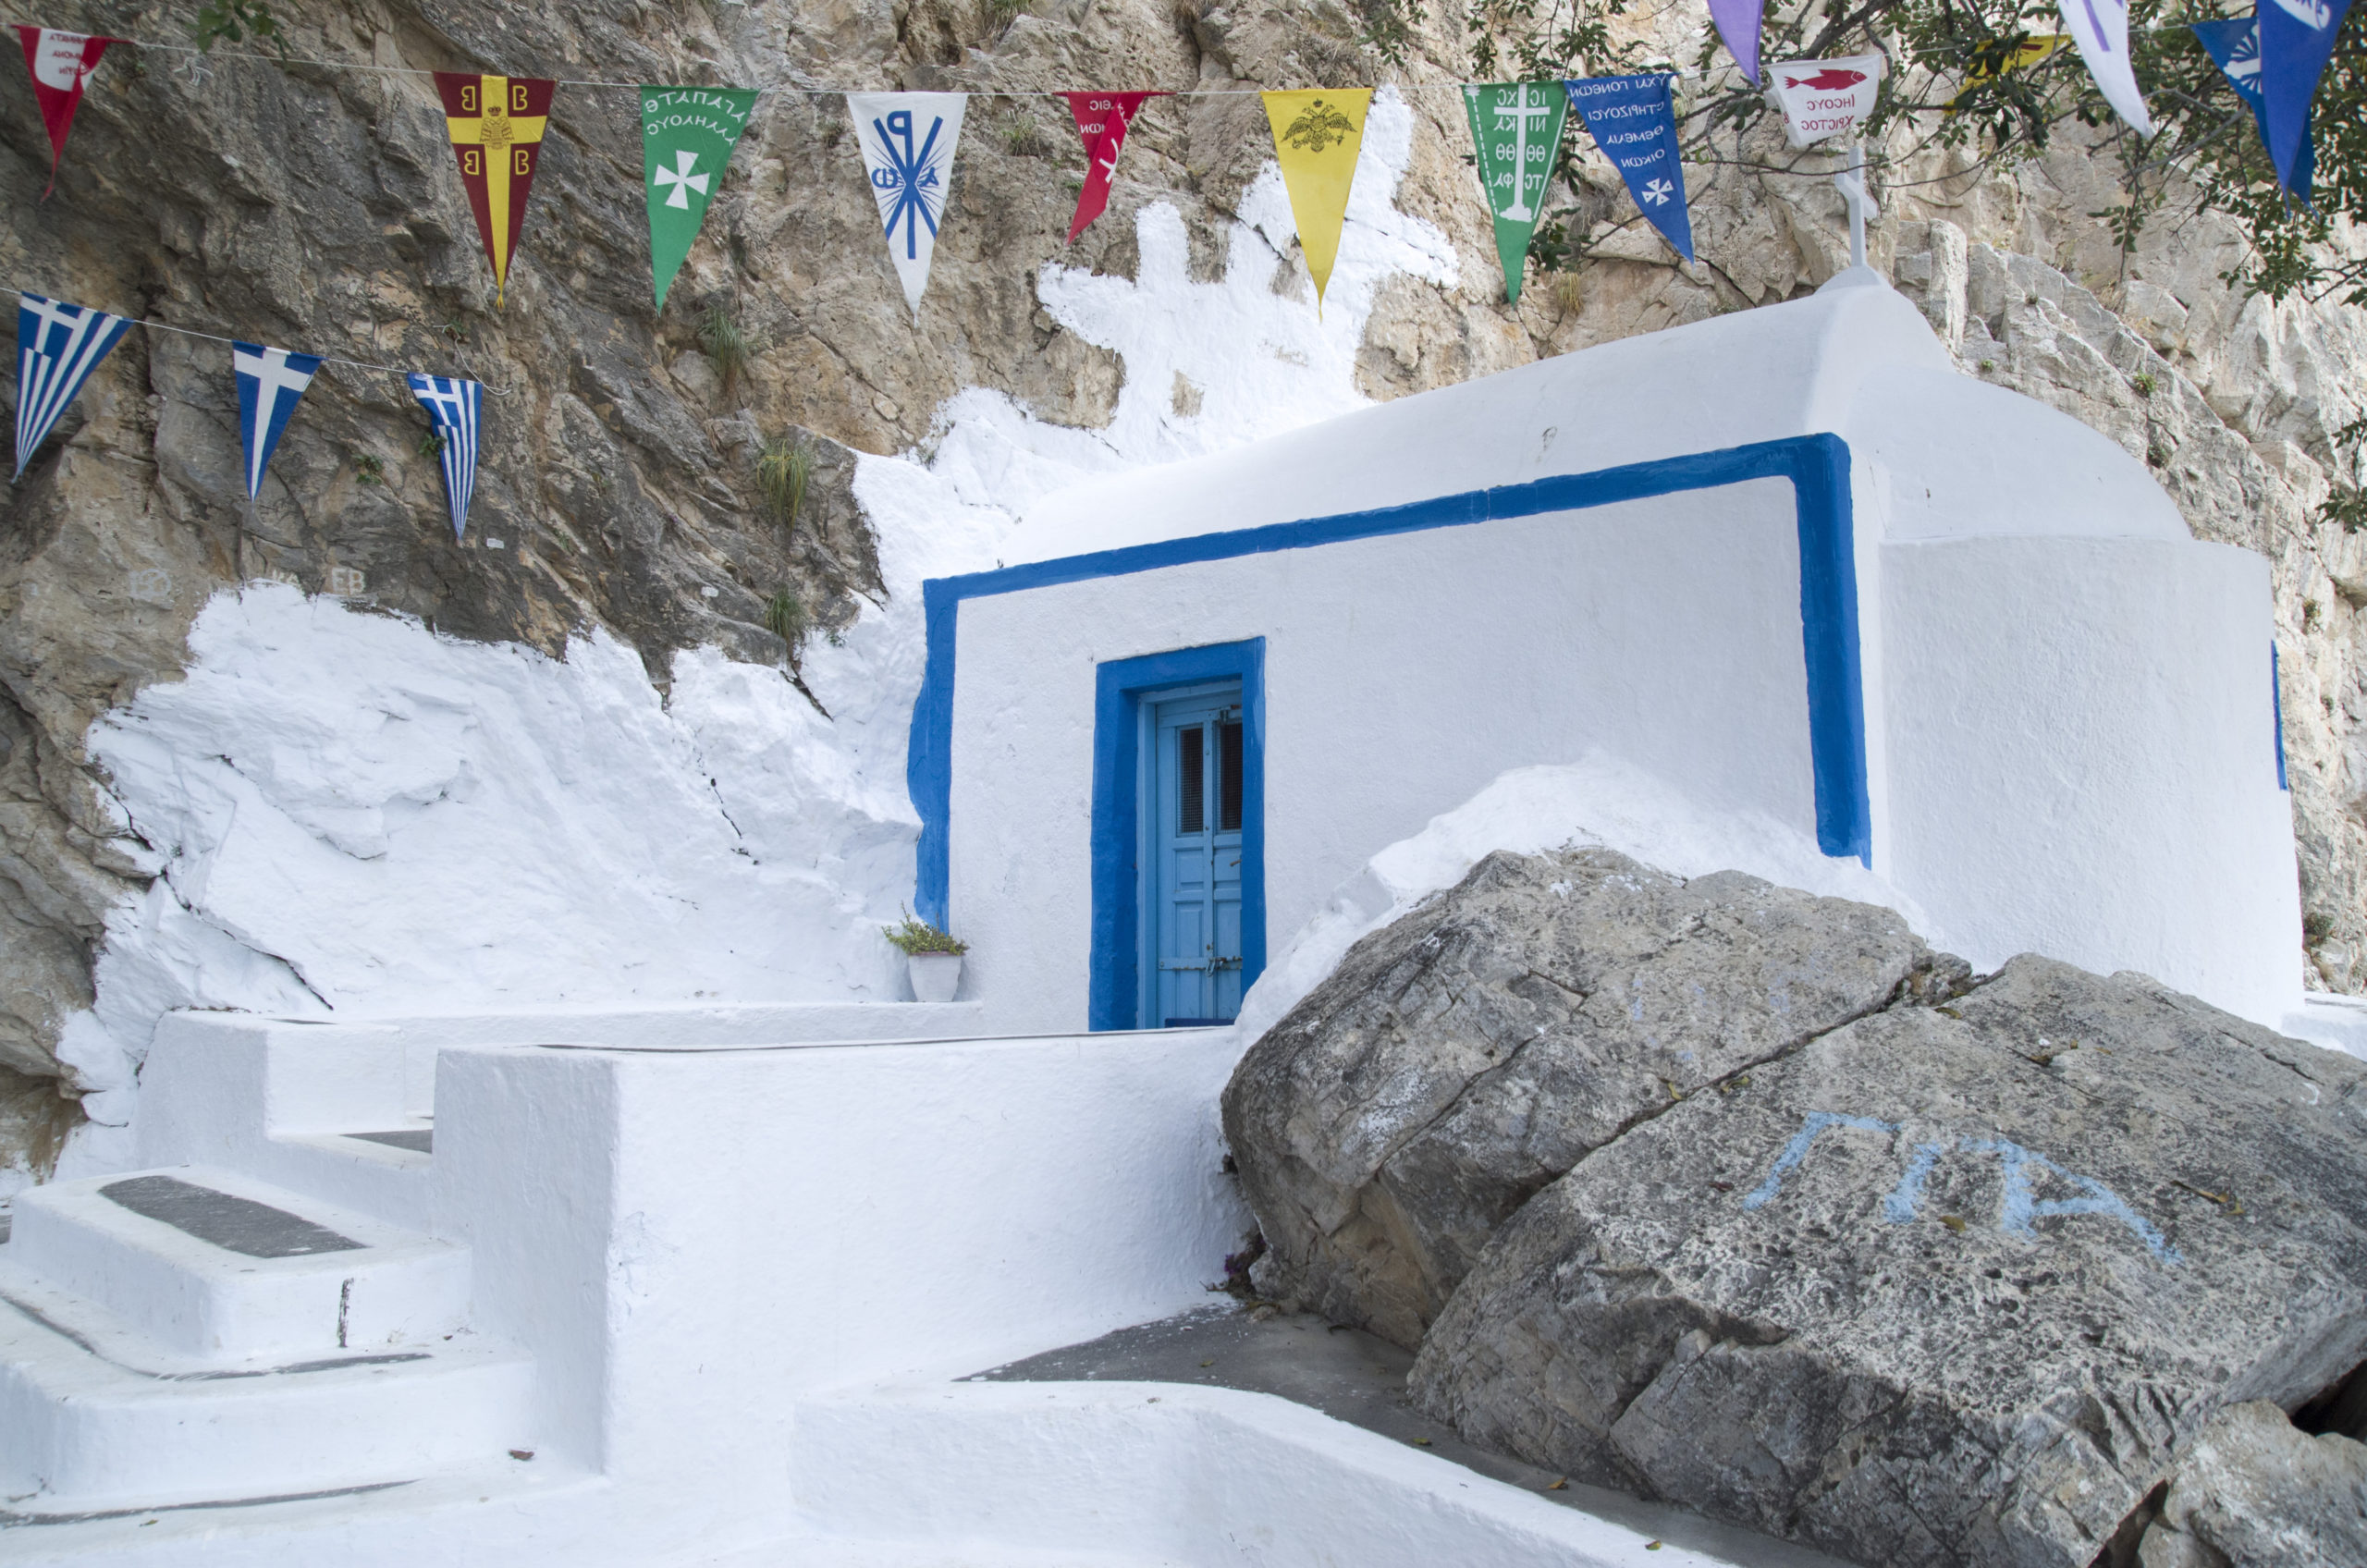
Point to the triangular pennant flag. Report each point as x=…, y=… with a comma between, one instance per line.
x=2234, y=47
x=1738, y=23
x=2295, y=41
x=1103, y=119
x=270, y=383
x=1516, y=126
x=454, y=406
x=1825, y=98
x=497, y=125
x=2033, y=48
x=687, y=134
x=61, y=64
x=907, y=143
x=2101, y=30
x=1634, y=121
x=57, y=348
x=1318, y=133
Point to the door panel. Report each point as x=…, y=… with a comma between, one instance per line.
x=1192, y=914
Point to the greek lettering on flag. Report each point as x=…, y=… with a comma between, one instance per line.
x=907, y=143
x=1516, y=132
x=57, y=348
x=2234, y=46
x=61, y=64
x=2101, y=30
x=2295, y=41
x=1633, y=119
x=1824, y=98
x=271, y=381
x=454, y=406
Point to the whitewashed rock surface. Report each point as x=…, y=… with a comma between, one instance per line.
x=319, y=210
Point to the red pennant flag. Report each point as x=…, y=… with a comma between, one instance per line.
x=1101, y=120
x=60, y=64
x=497, y=125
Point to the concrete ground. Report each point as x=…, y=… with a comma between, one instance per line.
x=1350, y=1375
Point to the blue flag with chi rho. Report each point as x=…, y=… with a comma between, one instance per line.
x=2234, y=46
x=1634, y=121
x=2295, y=40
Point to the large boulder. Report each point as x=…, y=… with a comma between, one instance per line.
x=1948, y=1285
x=1470, y=1053
x=2251, y=1489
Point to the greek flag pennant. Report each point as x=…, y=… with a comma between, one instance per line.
x=454, y=406
x=2295, y=41
x=1515, y=129
x=1633, y=119
x=2234, y=46
x=907, y=141
x=1102, y=120
x=687, y=135
x=270, y=383
x=2101, y=30
x=57, y=348
x=61, y=64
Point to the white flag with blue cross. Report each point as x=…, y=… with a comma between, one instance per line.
x=58, y=346
x=907, y=141
x=270, y=383
x=454, y=406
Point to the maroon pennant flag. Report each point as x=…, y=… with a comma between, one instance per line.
x=60, y=64
x=1101, y=120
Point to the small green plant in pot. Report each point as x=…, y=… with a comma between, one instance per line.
x=933, y=957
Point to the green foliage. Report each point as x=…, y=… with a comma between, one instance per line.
x=1000, y=14
x=784, y=468
x=785, y=619
x=236, y=20
x=2143, y=383
x=369, y=469
x=1390, y=27
x=916, y=936
x=430, y=443
x=724, y=346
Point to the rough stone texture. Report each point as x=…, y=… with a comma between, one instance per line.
x=1471, y=1052
x=1867, y=1334
x=2252, y=1489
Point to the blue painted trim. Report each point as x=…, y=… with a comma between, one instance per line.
x=1817, y=465
x=1120, y=688
x=2277, y=706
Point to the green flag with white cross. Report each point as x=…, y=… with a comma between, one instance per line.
x=1516, y=126
x=687, y=134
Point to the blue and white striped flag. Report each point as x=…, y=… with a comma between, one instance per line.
x=270, y=382
x=453, y=405
x=57, y=348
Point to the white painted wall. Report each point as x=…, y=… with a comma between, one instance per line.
x=1401, y=675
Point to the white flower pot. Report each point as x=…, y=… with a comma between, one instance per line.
x=935, y=975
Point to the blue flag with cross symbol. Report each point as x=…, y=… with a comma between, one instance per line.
x=907, y=143
x=2234, y=46
x=2295, y=41
x=454, y=406
x=270, y=383
x=58, y=346
x=1633, y=119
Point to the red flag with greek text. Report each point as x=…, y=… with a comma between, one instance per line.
x=1101, y=120
x=496, y=124
x=60, y=63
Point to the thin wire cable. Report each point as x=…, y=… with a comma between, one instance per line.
x=217, y=337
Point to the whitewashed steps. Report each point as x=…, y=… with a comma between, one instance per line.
x=209, y=1265
x=92, y=1416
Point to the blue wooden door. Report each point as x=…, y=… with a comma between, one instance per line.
x=1194, y=921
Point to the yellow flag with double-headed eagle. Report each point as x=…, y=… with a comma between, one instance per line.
x=1316, y=135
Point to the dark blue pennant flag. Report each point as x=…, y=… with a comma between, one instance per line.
x=270, y=382
x=2295, y=40
x=454, y=406
x=2234, y=47
x=1632, y=120
x=57, y=348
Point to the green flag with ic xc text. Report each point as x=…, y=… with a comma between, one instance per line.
x=1516, y=126
x=687, y=134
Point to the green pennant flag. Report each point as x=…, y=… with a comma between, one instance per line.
x=1516, y=126
x=687, y=134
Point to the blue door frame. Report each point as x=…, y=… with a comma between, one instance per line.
x=1121, y=687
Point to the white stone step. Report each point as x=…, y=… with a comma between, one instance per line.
x=92, y=1416
x=216, y=1266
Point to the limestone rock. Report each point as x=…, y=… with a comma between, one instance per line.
x=2252, y=1489
x=1473, y=1051
x=1948, y=1285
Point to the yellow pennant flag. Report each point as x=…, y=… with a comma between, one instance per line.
x=2038, y=46
x=1316, y=138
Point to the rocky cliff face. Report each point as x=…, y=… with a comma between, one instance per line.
x=317, y=209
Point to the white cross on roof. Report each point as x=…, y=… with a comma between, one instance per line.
x=681, y=177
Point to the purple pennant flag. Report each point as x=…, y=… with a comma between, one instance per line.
x=2296, y=39
x=1738, y=27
